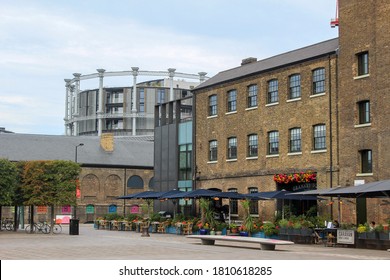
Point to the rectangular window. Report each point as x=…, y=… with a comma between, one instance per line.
x=364, y=112
x=366, y=161
x=295, y=86
x=273, y=142
x=232, y=101
x=273, y=95
x=232, y=148
x=142, y=100
x=319, y=137
x=254, y=204
x=160, y=96
x=252, y=96
x=252, y=145
x=213, y=105
x=233, y=203
x=319, y=81
x=295, y=140
x=362, y=63
x=213, y=150
x=185, y=162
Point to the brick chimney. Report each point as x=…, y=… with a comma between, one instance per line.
x=248, y=60
x=107, y=142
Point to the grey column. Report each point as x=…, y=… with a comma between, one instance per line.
x=67, y=107
x=134, y=101
x=171, y=75
x=100, y=111
x=202, y=76
x=76, y=104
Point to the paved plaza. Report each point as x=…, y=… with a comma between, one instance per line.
x=92, y=244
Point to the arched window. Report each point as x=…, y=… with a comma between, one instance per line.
x=135, y=182
x=151, y=184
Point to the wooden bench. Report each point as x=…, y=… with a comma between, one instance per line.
x=265, y=243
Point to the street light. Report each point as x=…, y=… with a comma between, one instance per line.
x=75, y=160
x=75, y=154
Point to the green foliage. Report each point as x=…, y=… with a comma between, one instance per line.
x=49, y=182
x=8, y=182
x=132, y=217
x=363, y=228
x=207, y=212
x=269, y=229
x=248, y=222
x=113, y=216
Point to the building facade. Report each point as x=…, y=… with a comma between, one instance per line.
x=121, y=110
x=310, y=118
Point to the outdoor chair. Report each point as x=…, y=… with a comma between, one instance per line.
x=161, y=228
x=187, y=228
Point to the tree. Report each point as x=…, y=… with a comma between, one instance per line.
x=8, y=182
x=50, y=183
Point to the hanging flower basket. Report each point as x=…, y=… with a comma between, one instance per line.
x=302, y=177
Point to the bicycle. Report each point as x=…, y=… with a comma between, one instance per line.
x=43, y=227
x=7, y=224
x=57, y=228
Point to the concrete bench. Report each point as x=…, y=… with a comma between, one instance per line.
x=265, y=243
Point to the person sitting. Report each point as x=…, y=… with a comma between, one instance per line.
x=336, y=224
x=372, y=226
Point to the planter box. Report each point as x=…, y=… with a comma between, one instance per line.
x=259, y=234
x=384, y=236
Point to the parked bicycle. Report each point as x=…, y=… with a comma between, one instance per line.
x=7, y=224
x=43, y=227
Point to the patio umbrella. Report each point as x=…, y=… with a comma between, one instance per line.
x=192, y=194
x=138, y=195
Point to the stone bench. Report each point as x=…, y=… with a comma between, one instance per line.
x=265, y=243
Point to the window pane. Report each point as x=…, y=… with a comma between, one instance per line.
x=252, y=96
x=273, y=142
x=295, y=140
x=366, y=157
x=273, y=91
x=233, y=203
x=363, y=63
x=213, y=149
x=319, y=137
x=212, y=105
x=252, y=145
x=364, y=112
x=232, y=148
x=254, y=204
x=319, y=81
x=295, y=86
x=232, y=101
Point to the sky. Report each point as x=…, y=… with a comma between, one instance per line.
x=43, y=42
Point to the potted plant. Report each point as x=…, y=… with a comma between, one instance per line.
x=362, y=231
x=269, y=229
x=219, y=228
x=248, y=219
x=382, y=233
x=233, y=228
x=283, y=224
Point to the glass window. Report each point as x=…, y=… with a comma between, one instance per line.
x=252, y=145
x=213, y=150
x=295, y=140
x=295, y=86
x=362, y=63
x=366, y=158
x=213, y=105
x=232, y=101
x=364, y=112
x=273, y=95
x=252, y=96
x=232, y=148
x=319, y=81
x=319, y=137
x=254, y=204
x=185, y=162
x=233, y=203
x=273, y=142
x=135, y=182
x=141, y=100
x=160, y=96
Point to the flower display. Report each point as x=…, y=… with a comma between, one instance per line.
x=302, y=177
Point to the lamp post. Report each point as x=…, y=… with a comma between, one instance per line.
x=75, y=160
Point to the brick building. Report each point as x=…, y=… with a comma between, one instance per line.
x=317, y=114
